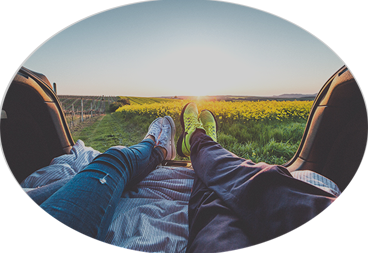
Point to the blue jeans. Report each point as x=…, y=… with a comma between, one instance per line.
x=88, y=201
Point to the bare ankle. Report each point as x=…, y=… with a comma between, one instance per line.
x=163, y=151
x=151, y=138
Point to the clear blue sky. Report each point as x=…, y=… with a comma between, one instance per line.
x=184, y=47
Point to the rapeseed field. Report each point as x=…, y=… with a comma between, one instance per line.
x=263, y=131
x=228, y=111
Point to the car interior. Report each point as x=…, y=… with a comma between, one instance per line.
x=34, y=129
x=33, y=125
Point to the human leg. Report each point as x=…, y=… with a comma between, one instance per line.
x=88, y=201
x=265, y=198
x=213, y=226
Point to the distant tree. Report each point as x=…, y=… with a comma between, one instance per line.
x=124, y=101
x=114, y=106
x=121, y=102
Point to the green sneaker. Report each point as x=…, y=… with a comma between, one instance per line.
x=189, y=123
x=209, y=123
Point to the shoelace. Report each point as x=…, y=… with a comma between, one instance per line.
x=211, y=131
x=164, y=141
x=155, y=130
x=165, y=134
x=190, y=121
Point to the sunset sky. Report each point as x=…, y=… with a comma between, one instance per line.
x=168, y=48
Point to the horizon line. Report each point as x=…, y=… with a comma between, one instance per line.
x=167, y=96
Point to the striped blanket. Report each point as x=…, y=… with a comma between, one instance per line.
x=151, y=217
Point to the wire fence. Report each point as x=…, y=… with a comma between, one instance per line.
x=78, y=109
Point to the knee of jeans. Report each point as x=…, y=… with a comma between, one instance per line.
x=118, y=147
x=120, y=152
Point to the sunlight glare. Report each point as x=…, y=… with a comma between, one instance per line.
x=196, y=70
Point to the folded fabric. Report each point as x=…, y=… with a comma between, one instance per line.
x=151, y=217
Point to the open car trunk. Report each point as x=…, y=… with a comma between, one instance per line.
x=33, y=126
x=335, y=137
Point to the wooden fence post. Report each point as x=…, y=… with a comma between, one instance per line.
x=72, y=122
x=81, y=119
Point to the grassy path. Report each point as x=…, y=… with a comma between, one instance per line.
x=110, y=130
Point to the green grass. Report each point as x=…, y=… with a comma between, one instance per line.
x=271, y=141
x=112, y=130
x=274, y=142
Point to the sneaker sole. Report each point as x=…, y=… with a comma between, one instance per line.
x=181, y=137
x=173, y=130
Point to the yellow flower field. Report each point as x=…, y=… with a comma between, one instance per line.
x=228, y=111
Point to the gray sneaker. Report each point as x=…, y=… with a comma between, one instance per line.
x=166, y=139
x=155, y=129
